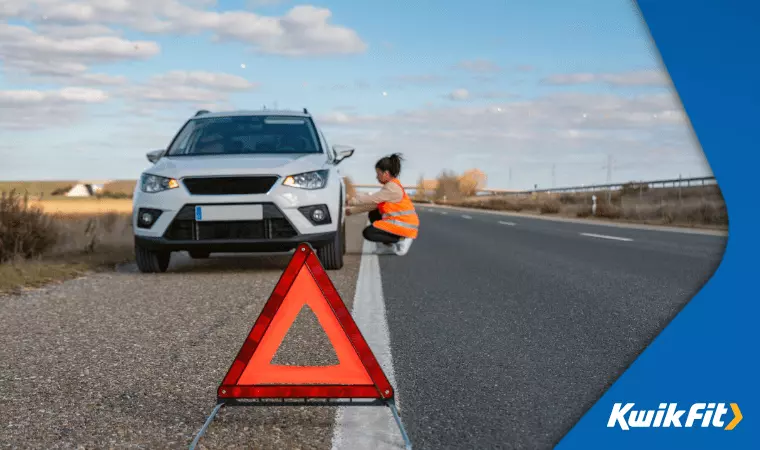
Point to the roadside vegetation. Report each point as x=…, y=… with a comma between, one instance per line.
x=701, y=206
x=45, y=241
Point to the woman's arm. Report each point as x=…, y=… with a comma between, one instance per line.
x=390, y=192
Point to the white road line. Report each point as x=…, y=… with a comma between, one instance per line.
x=370, y=427
x=604, y=236
x=443, y=213
x=511, y=224
x=466, y=216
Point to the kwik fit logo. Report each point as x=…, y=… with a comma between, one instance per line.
x=704, y=415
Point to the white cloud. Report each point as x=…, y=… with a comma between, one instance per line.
x=67, y=53
x=303, y=30
x=75, y=31
x=194, y=86
x=260, y=3
x=102, y=79
x=478, y=66
x=459, y=95
x=633, y=78
x=552, y=112
x=69, y=94
x=220, y=81
x=84, y=95
x=525, y=135
x=34, y=109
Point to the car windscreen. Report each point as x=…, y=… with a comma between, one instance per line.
x=246, y=135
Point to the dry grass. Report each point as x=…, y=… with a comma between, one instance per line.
x=84, y=206
x=449, y=188
x=120, y=187
x=35, y=188
x=39, y=245
x=699, y=207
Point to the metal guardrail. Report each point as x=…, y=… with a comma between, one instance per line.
x=669, y=183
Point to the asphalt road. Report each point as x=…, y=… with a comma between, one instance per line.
x=128, y=360
x=502, y=332
x=505, y=329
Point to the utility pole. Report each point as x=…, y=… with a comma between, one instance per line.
x=510, y=179
x=609, y=177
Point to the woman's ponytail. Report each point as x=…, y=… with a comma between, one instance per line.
x=390, y=164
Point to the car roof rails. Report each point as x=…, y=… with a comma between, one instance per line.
x=305, y=111
x=202, y=112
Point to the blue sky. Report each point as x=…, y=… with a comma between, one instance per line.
x=87, y=87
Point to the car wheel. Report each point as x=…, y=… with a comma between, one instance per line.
x=343, y=239
x=150, y=261
x=342, y=221
x=199, y=255
x=331, y=255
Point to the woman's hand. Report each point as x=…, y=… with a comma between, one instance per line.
x=348, y=211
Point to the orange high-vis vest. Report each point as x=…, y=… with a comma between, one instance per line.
x=398, y=218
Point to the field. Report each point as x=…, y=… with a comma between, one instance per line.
x=47, y=189
x=84, y=206
x=49, y=240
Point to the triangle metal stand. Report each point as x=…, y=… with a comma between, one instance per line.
x=304, y=402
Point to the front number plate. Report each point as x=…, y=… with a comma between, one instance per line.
x=223, y=213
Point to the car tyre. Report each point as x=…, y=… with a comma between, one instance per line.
x=151, y=261
x=331, y=255
x=199, y=255
x=343, y=239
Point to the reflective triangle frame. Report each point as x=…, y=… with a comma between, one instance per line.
x=373, y=386
x=378, y=392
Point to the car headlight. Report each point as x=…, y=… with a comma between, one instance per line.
x=307, y=180
x=153, y=183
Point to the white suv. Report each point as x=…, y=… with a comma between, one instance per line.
x=243, y=181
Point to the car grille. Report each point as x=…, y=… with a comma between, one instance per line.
x=274, y=226
x=229, y=185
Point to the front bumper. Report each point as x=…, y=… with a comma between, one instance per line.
x=284, y=209
x=275, y=232
x=234, y=245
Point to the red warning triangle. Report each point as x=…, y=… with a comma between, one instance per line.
x=357, y=374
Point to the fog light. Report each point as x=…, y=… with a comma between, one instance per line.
x=147, y=217
x=318, y=215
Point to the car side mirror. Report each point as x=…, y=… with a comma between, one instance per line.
x=343, y=152
x=155, y=155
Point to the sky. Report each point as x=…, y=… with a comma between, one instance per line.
x=542, y=93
